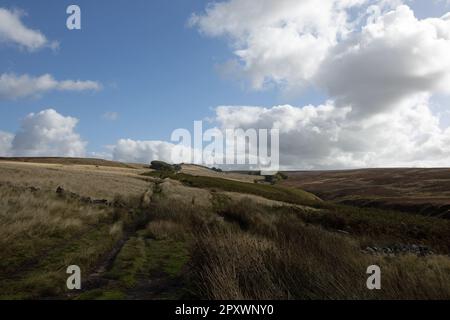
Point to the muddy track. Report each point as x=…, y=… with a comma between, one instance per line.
x=95, y=279
x=33, y=262
x=148, y=287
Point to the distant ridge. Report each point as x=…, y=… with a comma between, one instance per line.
x=72, y=161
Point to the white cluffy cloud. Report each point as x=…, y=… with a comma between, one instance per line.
x=380, y=65
x=128, y=150
x=13, y=31
x=281, y=41
x=46, y=133
x=367, y=54
x=13, y=86
x=326, y=137
x=395, y=57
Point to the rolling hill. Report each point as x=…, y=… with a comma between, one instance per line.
x=420, y=191
x=138, y=233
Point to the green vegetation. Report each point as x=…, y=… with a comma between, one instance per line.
x=140, y=257
x=217, y=246
x=42, y=233
x=158, y=252
x=129, y=262
x=165, y=167
x=32, y=282
x=275, y=178
x=273, y=192
x=168, y=256
x=99, y=294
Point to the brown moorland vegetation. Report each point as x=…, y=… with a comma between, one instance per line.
x=157, y=237
x=422, y=191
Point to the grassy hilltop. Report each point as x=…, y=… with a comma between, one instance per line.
x=138, y=233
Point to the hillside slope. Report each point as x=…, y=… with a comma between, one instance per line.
x=140, y=234
x=72, y=161
x=421, y=191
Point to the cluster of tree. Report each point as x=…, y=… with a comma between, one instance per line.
x=273, y=179
x=164, y=166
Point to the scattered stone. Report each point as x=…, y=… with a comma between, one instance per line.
x=398, y=249
x=70, y=195
x=369, y=250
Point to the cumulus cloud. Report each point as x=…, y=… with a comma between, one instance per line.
x=326, y=137
x=5, y=143
x=369, y=54
x=128, y=150
x=46, y=133
x=13, y=86
x=281, y=41
x=13, y=31
x=395, y=57
x=379, y=64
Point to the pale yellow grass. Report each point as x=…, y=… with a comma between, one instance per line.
x=237, y=197
x=205, y=172
x=165, y=229
x=33, y=223
x=175, y=191
x=86, y=180
x=34, y=214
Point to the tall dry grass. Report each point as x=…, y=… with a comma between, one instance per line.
x=33, y=221
x=239, y=248
x=262, y=256
x=42, y=232
x=89, y=181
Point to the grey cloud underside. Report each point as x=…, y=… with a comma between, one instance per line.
x=395, y=57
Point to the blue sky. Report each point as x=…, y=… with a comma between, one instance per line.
x=156, y=72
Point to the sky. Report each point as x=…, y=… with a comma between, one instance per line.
x=349, y=83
